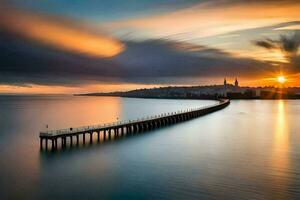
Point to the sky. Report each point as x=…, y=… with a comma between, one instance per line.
x=80, y=46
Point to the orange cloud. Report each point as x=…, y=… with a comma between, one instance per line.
x=61, y=35
x=203, y=21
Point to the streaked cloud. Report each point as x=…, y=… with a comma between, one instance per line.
x=268, y=44
x=211, y=18
x=242, y=42
x=58, y=33
x=291, y=27
x=144, y=62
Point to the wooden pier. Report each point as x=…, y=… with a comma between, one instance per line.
x=119, y=129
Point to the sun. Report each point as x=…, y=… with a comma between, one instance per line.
x=281, y=79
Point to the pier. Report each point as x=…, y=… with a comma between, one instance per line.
x=75, y=136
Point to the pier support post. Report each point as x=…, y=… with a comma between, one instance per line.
x=98, y=136
x=83, y=138
x=130, y=129
x=115, y=133
x=139, y=127
x=77, y=140
x=91, y=138
x=53, y=144
x=41, y=143
x=46, y=143
x=136, y=128
x=71, y=140
x=64, y=142
x=122, y=131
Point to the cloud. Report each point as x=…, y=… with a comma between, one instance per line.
x=268, y=44
x=289, y=45
x=241, y=42
x=209, y=18
x=152, y=61
x=291, y=27
x=161, y=58
x=58, y=33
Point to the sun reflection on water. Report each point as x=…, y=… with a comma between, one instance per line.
x=280, y=163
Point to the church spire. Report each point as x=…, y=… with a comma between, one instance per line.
x=236, y=83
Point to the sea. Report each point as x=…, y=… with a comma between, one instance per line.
x=249, y=150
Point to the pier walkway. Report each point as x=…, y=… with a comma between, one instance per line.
x=119, y=129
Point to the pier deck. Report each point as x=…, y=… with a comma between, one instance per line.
x=124, y=127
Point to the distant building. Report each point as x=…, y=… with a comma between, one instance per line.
x=236, y=83
x=224, y=92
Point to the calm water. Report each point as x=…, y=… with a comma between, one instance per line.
x=249, y=150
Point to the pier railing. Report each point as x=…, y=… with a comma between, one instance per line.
x=118, y=123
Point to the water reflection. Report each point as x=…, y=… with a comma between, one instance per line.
x=280, y=163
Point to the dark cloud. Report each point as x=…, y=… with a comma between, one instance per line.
x=268, y=44
x=289, y=45
x=160, y=58
x=152, y=61
x=26, y=62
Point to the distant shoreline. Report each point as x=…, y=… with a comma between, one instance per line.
x=182, y=98
x=140, y=97
x=213, y=92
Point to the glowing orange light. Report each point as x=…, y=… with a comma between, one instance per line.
x=281, y=79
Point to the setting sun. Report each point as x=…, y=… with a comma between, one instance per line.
x=281, y=79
